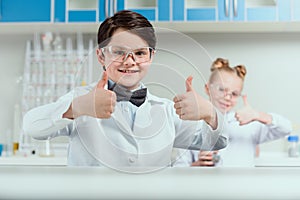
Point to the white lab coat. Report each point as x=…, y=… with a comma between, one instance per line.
x=242, y=141
x=112, y=142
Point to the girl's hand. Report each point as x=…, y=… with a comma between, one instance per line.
x=247, y=114
x=205, y=158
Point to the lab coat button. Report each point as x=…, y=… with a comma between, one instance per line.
x=131, y=159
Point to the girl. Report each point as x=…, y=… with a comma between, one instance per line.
x=245, y=128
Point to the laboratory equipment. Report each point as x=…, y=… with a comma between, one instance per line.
x=293, y=147
x=52, y=68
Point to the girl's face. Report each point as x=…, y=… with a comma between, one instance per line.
x=224, y=90
x=127, y=58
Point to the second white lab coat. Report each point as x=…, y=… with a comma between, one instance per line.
x=242, y=141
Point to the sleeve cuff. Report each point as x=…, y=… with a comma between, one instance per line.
x=60, y=109
x=220, y=121
x=212, y=139
x=274, y=122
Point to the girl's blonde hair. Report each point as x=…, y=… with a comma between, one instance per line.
x=221, y=64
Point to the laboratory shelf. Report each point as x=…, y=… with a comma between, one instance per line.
x=186, y=27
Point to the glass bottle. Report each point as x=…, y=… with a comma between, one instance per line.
x=293, y=149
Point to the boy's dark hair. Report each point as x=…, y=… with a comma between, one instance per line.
x=128, y=20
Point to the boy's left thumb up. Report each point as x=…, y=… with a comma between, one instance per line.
x=188, y=84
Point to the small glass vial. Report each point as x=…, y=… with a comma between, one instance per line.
x=45, y=148
x=293, y=149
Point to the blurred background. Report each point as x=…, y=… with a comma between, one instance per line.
x=46, y=53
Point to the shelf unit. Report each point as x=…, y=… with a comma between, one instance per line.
x=84, y=16
x=185, y=27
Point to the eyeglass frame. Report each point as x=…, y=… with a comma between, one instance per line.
x=226, y=92
x=125, y=56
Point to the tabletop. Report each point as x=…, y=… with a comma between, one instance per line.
x=62, y=182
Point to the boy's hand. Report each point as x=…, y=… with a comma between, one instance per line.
x=99, y=102
x=105, y=100
x=192, y=106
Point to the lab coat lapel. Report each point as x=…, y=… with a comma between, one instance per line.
x=142, y=117
x=149, y=120
x=121, y=121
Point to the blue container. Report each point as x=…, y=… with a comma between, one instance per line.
x=293, y=138
x=293, y=149
x=1, y=148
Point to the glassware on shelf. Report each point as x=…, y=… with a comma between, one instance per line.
x=52, y=68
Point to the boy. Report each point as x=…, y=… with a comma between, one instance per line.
x=117, y=122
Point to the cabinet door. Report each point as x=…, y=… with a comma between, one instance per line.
x=153, y=10
x=25, y=10
x=224, y=10
x=100, y=9
x=201, y=10
x=59, y=10
x=194, y=10
x=263, y=10
x=82, y=10
x=284, y=10
x=108, y=7
x=254, y=10
x=296, y=10
x=163, y=9
x=238, y=10
x=178, y=10
x=231, y=10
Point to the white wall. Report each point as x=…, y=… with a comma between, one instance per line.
x=272, y=82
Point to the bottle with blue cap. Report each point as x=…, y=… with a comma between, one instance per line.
x=293, y=149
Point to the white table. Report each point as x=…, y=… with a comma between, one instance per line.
x=266, y=159
x=40, y=182
x=34, y=160
x=278, y=159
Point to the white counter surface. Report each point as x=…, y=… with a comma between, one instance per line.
x=266, y=159
x=41, y=182
x=34, y=160
x=278, y=159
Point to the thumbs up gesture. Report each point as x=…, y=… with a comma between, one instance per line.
x=192, y=106
x=99, y=102
x=246, y=114
x=188, y=84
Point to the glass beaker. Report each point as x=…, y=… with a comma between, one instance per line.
x=45, y=148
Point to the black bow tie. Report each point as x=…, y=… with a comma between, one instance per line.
x=136, y=98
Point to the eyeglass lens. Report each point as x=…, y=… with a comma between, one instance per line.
x=120, y=54
x=225, y=91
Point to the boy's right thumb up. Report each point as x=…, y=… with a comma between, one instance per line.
x=103, y=81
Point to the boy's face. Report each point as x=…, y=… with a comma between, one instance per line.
x=127, y=58
x=224, y=90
